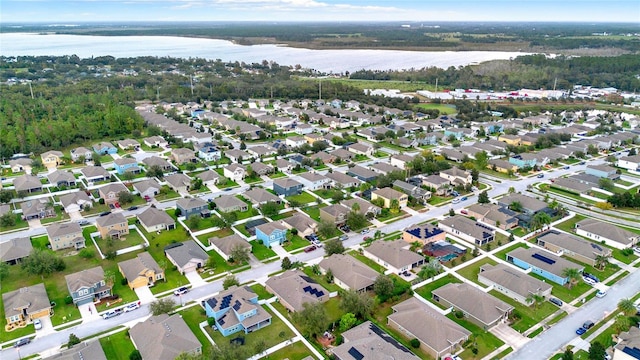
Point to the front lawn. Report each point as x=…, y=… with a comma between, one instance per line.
x=365, y=260
x=132, y=239
x=247, y=214
x=303, y=198
x=295, y=351
x=471, y=272
x=485, y=341
x=60, y=215
x=166, y=193
x=221, y=264
x=529, y=315
x=327, y=193
x=20, y=223
x=426, y=290
x=502, y=254
x=295, y=242
x=193, y=316
x=261, y=291
x=196, y=223
x=260, y=251
x=117, y=346
x=224, y=232
x=314, y=211
x=385, y=216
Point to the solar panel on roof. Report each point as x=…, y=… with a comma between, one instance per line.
x=319, y=294
x=355, y=353
x=237, y=305
x=596, y=246
x=307, y=288
x=543, y=259
x=213, y=302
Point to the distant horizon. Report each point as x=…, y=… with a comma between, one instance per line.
x=319, y=11
x=399, y=22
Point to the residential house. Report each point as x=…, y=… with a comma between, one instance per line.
x=573, y=185
x=237, y=156
x=438, y=335
x=147, y=188
x=109, y=193
x=612, y=235
x=284, y=165
x=155, y=141
x=304, y=224
x=343, y=180
x=295, y=141
x=424, y=234
x=293, y=288
x=287, y=187
x=259, y=196
x=336, y=213
x=128, y=144
x=163, y=164
x=27, y=183
x=324, y=157
x=51, y=159
x=362, y=173
x=458, y=133
x=438, y=185
x=393, y=256
x=457, y=177
x=230, y=203
x=186, y=256
x=234, y=172
x=348, y=272
x=602, y=171
x=314, y=181
x=65, y=235
x=478, y=306
x=112, y=226
x=156, y=220
x=20, y=165
x=304, y=129
x=388, y=195
x=179, y=182
x=527, y=160
x=209, y=152
x=140, y=271
x=468, y=230
x=271, y=233
x=209, y=177
x=81, y=152
x=124, y=165
x=164, y=337
x=26, y=304
x=573, y=247
x=15, y=249
x=87, y=286
x=226, y=245
x=628, y=345
x=312, y=138
x=342, y=154
x=104, y=148
x=183, y=156
x=85, y=350
x=262, y=151
x=429, y=138
x=95, y=174
x=37, y=209
x=61, y=178
x=384, y=168
x=502, y=166
x=235, y=310
x=530, y=206
x=510, y=139
x=494, y=215
x=543, y=263
x=261, y=169
x=364, y=207
x=360, y=149
x=76, y=201
x=401, y=160
x=192, y=206
x=513, y=283
x=367, y=341
x=412, y=190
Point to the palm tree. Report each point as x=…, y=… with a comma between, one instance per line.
x=540, y=220
x=572, y=274
x=377, y=235
x=627, y=307
x=535, y=299
x=601, y=261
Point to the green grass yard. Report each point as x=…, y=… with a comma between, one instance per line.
x=260, y=251
x=529, y=315
x=117, y=346
x=304, y=198
x=471, y=272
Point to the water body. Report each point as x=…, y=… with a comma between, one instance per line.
x=15, y=44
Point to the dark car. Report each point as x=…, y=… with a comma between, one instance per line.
x=581, y=331
x=133, y=208
x=540, y=176
x=105, y=213
x=22, y=342
x=587, y=324
x=310, y=248
x=555, y=301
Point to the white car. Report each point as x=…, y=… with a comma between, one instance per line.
x=589, y=281
x=132, y=306
x=364, y=231
x=456, y=200
x=601, y=294
x=636, y=249
x=37, y=324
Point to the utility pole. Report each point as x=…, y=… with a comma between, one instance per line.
x=31, y=89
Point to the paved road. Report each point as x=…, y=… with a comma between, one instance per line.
x=547, y=343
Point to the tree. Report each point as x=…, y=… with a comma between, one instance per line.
x=8, y=219
x=73, y=340
x=4, y=270
x=43, y=263
x=312, y=319
x=228, y=217
x=270, y=208
x=516, y=206
x=394, y=207
x=355, y=220
x=230, y=281
x=135, y=355
x=415, y=343
x=162, y=306
x=511, y=190
x=567, y=355
x=535, y=299
x=452, y=212
x=125, y=197
x=627, y=307
x=539, y=220
x=239, y=254
x=482, y=160
x=601, y=261
x=383, y=286
x=360, y=304
x=596, y=350
x=621, y=323
x=430, y=270
x=333, y=246
x=606, y=184
x=632, y=152
x=483, y=197
x=243, y=146
x=326, y=229
x=347, y=321
x=286, y=263
x=572, y=274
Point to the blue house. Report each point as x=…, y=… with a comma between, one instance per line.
x=287, y=187
x=235, y=310
x=494, y=127
x=193, y=206
x=123, y=165
x=103, y=148
x=196, y=113
x=336, y=103
x=209, y=152
x=457, y=133
x=87, y=286
x=271, y=233
x=602, y=171
x=543, y=263
x=523, y=160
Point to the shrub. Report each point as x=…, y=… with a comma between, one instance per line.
x=124, y=281
x=458, y=314
x=211, y=321
x=415, y=343
x=135, y=355
x=68, y=300
x=86, y=253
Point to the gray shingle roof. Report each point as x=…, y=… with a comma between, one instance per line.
x=61, y=229
x=260, y=195
x=33, y=298
x=290, y=285
x=15, y=248
x=392, y=253
x=153, y=217
x=228, y=243
x=372, y=343
x=473, y=301
x=134, y=267
x=556, y=268
x=347, y=269
x=607, y=230
x=185, y=253
x=84, y=278
x=513, y=280
x=111, y=219
x=164, y=337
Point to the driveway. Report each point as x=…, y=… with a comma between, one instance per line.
x=75, y=215
x=88, y=312
x=145, y=295
x=47, y=327
x=194, y=278
x=509, y=335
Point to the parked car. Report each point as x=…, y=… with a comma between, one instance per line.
x=132, y=306
x=112, y=313
x=587, y=325
x=540, y=176
x=37, y=324
x=464, y=198
x=83, y=222
x=317, y=243
x=105, y=213
x=227, y=189
x=344, y=237
x=636, y=249
x=589, y=281
x=133, y=208
x=581, y=331
x=181, y=291
x=591, y=276
x=555, y=301
x=582, y=163
x=601, y=294
x=22, y=342
x=147, y=198
x=455, y=200
x=366, y=238
x=566, y=167
x=364, y=231
x=310, y=248
x=464, y=212
x=117, y=205
x=455, y=193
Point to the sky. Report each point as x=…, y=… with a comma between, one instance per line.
x=76, y=11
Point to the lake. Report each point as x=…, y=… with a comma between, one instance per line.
x=337, y=61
